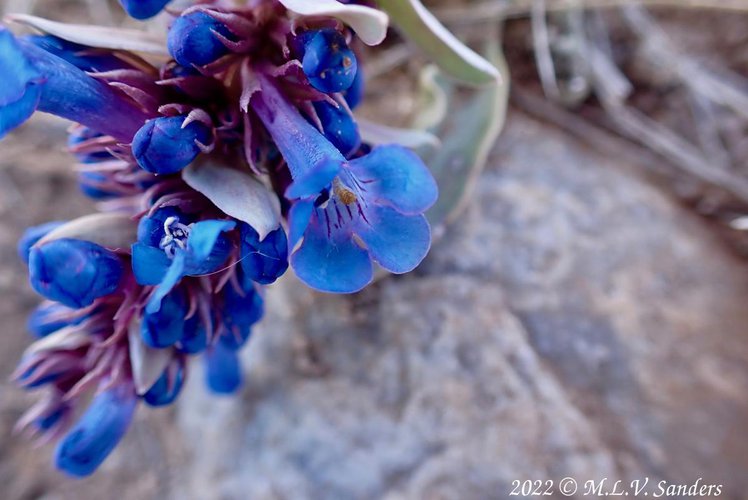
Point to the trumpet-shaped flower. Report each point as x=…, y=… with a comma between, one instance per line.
x=171, y=246
x=348, y=212
x=35, y=79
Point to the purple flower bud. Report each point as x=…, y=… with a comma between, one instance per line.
x=143, y=9
x=32, y=235
x=192, y=39
x=164, y=146
x=97, y=432
x=339, y=127
x=223, y=371
x=74, y=272
x=264, y=261
x=34, y=79
x=328, y=62
x=165, y=326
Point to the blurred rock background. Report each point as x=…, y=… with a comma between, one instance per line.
x=585, y=316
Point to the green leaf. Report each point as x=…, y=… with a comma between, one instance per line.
x=454, y=57
x=468, y=133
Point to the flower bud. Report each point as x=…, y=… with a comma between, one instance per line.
x=355, y=93
x=223, y=372
x=92, y=185
x=167, y=387
x=192, y=39
x=49, y=317
x=195, y=337
x=263, y=261
x=240, y=312
x=338, y=126
x=97, y=432
x=164, y=146
x=74, y=272
x=165, y=326
x=143, y=9
x=32, y=235
x=328, y=62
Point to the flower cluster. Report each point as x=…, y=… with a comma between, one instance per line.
x=214, y=168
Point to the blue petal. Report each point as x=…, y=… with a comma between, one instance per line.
x=314, y=180
x=205, y=234
x=207, y=248
x=395, y=176
x=18, y=72
x=223, y=371
x=165, y=326
x=149, y=264
x=170, y=280
x=15, y=113
x=97, y=432
x=74, y=272
x=32, y=235
x=398, y=242
x=298, y=219
x=335, y=264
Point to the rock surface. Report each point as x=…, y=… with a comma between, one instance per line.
x=575, y=322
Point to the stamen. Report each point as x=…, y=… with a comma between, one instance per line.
x=344, y=194
x=175, y=236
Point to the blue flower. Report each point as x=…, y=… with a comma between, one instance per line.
x=339, y=127
x=143, y=9
x=74, y=272
x=348, y=212
x=32, y=235
x=97, y=432
x=328, y=62
x=223, y=371
x=171, y=246
x=168, y=386
x=240, y=310
x=263, y=261
x=165, y=326
x=34, y=79
x=49, y=317
x=165, y=146
x=80, y=56
x=195, y=39
x=93, y=185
